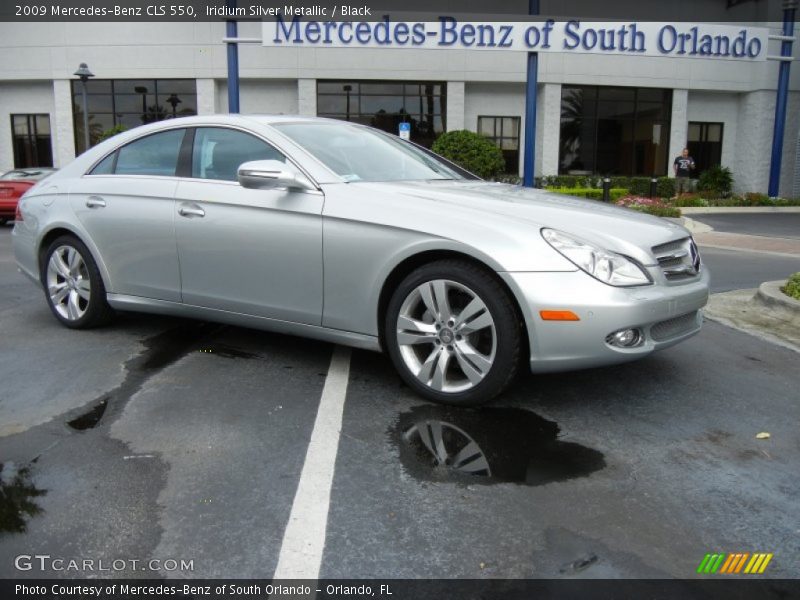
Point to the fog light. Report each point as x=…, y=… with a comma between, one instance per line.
x=625, y=338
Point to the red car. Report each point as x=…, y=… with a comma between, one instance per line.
x=15, y=183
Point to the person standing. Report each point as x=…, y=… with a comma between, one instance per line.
x=683, y=167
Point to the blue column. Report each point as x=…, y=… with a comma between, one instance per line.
x=780, y=105
x=528, y=161
x=531, y=81
x=231, y=31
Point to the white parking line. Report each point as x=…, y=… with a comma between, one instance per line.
x=304, y=538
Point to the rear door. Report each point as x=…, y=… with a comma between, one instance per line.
x=127, y=206
x=257, y=252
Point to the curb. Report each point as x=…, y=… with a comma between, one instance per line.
x=770, y=295
x=766, y=313
x=706, y=210
x=695, y=226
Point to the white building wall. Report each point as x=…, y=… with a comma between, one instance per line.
x=790, y=169
x=207, y=97
x=752, y=155
x=717, y=107
x=494, y=100
x=548, y=128
x=61, y=123
x=25, y=98
x=455, y=105
x=678, y=126
x=273, y=97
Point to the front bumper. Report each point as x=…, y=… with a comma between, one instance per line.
x=665, y=315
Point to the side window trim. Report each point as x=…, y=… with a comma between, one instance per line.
x=184, y=167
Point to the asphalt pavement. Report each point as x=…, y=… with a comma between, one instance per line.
x=172, y=439
x=781, y=225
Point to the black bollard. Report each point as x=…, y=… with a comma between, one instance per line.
x=653, y=187
x=606, y=189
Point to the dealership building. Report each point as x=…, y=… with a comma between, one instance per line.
x=623, y=100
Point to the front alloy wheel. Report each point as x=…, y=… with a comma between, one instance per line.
x=453, y=334
x=446, y=336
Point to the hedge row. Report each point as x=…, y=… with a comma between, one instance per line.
x=591, y=193
x=638, y=186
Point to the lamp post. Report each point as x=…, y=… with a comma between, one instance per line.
x=140, y=89
x=173, y=100
x=348, y=88
x=83, y=73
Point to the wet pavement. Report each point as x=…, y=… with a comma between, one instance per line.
x=170, y=439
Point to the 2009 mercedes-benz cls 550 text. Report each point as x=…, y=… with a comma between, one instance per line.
x=343, y=233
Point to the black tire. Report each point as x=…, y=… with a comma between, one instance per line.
x=506, y=333
x=3, y=221
x=95, y=310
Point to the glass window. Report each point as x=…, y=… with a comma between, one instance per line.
x=386, y=104
x=129, y=103
x=31, y=141
x=614, y=130
x=105, y=166
x=705, y=145
x=504, y=132
x=155, y=154
x=218, y=152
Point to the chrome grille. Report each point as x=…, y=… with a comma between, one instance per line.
x=674, y=327
x=678, y=260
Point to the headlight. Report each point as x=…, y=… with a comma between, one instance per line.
x=608, y=267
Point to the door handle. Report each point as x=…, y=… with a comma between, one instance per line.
x=186, y=211
x=95, y=202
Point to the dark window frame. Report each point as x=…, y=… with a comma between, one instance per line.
x=512, y=157
x=635, y=118
x=32, y=137
x=704, y=127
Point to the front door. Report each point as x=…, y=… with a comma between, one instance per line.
x=256, y=252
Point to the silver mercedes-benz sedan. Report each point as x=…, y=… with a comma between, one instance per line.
x=343, y=233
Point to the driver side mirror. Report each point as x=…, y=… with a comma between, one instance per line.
x=272, y=174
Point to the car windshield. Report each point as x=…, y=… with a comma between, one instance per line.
x=358, y=153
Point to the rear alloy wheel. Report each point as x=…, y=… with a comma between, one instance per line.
x=452, y=333
x=73, y=286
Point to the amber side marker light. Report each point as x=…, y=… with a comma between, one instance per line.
x=558, y=315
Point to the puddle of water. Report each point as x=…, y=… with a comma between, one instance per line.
x=91, y=418
x=488, y=445
x=160, y=351
x=226, y=351
x=16, y=498
x=168, y=346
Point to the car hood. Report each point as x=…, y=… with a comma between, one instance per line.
x=618, y=229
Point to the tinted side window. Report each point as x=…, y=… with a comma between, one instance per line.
x=155, y=154
x=218, y=152
x=105, y=166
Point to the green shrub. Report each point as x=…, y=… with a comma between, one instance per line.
x=591, y=193
x=111, y=132
x=640, y=186
x=472, y=151
x=717, y=180
x=691, y=199
x=792, y=287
